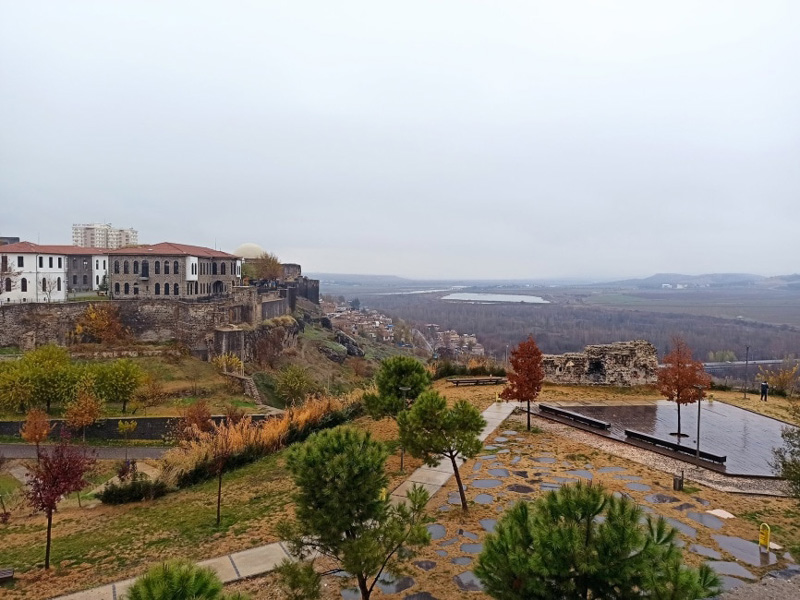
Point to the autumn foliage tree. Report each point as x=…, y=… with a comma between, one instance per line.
x=36, y=428
x=86, y=409
x=267, y=266
x=101, y=324
x=525, y=379
x=59, y=472
x=682, y=380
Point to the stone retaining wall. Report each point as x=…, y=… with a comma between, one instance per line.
x=621, y=364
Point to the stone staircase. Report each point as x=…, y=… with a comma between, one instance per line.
x=250, y=388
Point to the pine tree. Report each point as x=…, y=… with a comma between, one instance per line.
x=179, y=580
x=431, y=431
x=582, y=542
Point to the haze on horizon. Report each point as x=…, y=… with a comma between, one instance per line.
x=450, y=139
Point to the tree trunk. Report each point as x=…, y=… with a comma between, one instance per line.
x=362, y=587
x=679, y=422
x=402, y=458
x=219, y=496
x=37, y=454
x=460, y=485
x=529, y=414
x=47, y=547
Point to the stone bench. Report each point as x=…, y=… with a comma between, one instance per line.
x=6, y=575
x=573, y=416
x=670, y=445
x=457, y=381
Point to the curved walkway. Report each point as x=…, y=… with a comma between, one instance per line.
x=102, y=452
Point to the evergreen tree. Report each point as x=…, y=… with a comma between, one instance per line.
x=581, y=542
x=179, y=580
x=431, y=431
x=399, y=380
x=343, y=511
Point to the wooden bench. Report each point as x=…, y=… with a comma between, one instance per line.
x=6, y=575
x=456, y=381
x=573, y=416
x=670, y=445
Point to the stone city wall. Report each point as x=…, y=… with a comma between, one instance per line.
x=621, y=363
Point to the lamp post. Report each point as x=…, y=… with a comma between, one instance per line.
x=746, y=364
x=404, y=389
x=699, y=401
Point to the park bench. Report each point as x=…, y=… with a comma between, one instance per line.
x=670, y=445
x=456, y=381
x=573, y=416
x=6, y=575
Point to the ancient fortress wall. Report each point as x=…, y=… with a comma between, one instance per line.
x=621, y=363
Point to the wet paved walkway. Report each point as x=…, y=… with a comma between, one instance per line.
x=263, y=559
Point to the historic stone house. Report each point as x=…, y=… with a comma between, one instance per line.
x=170, y=270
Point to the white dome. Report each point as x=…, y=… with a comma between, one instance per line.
x=249, y=250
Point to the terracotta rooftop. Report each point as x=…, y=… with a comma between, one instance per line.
x=31, y=248
x=171, y=249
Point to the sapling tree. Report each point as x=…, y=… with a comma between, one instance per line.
x=343, y=511
x=60, y=471
x=86, y=409
x=36, y=428
x=125, y=429
x=399, y=380
x=582, y=542
x=682, y=379
x=526, y=376
x=432, y=431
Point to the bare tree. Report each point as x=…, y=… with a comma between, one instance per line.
x=9, y=277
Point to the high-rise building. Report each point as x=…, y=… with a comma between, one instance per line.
x=103, y=235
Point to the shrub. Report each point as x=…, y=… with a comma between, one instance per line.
x=137, y=489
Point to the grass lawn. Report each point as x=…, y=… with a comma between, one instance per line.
x=107, y=543
x=8, y=483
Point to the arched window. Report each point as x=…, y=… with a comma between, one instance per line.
x=136, y=267
x=176, y=290
x=157, y=267
x=213, y=268
x=23, y=285
x=127, y=289
x=166, y=267
x=158, y=288
x=176, y=269
x=145, y=269
x=166, y=289
x=85, y=280
x=116, y=288
x=222, y=268
x=116, y=267
x=58, y=284
x=126, y=267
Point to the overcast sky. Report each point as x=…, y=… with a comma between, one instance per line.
x=427, y=139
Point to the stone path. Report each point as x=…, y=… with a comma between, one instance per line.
x=263, y=559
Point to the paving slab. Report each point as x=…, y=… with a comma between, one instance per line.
x=259, y=560
x=105, y=592
x=406, y=486
x=426, y=475
x=222, y=566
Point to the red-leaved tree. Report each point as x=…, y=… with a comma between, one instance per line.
x=525, y=380
x=682, y=379
x=60, y=471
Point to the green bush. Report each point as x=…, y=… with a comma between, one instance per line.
x=138, y=489
x=450, y=369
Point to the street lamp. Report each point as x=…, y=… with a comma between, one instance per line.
x=699, y=388
x=746, y=364
x=404, y=389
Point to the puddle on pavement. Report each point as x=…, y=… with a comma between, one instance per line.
x=520, y=489
x=484, y=499
x=745, y=551
x=682, y=527
x=390, y=584
x=461, y=560
x=723, y=567
x=544, y=459
x=437, y=531
x=467, y=582
x=638, y=487
x=488, y=524
x=486, y=483
x=703, y=551
x=705, y=519
x=661, y=499
x=425, y=565
x=498, y=472
x=471, y=548
x=581, y=473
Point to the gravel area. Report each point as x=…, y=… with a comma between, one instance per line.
x=712, y=479
x=768, y=588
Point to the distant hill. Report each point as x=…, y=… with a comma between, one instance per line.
x=676, y=279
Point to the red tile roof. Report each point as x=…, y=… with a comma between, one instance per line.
x=171, y=249
x=31, y=248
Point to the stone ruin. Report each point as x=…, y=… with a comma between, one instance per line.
x=621, y=363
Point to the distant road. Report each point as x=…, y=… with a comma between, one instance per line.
x=102, y=452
